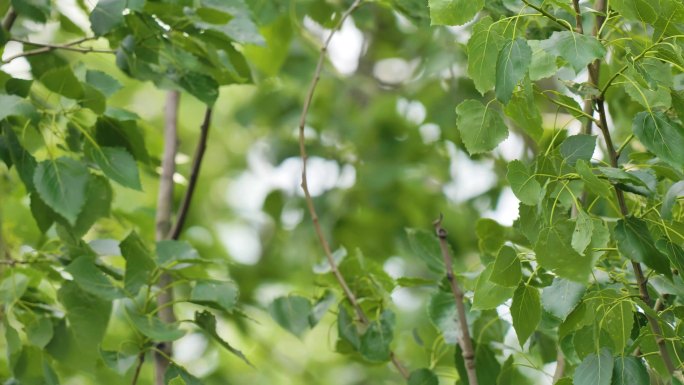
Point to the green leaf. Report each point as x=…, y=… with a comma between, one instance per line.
x=661, y=135
x=481, y=127
x=442, y=313
x=507, y=270
x=510, y=375
x=19, y=87
x=118, y=361
x=174, y=373
x=635, y=242
x=675, y=191
x=491, y=235
x=579, y=50
x=483, y=49
x=488, y=294
x=207, y=322
x=107, y=15
x=591, y=181
x=43, y=214
x=674, y=253
x=36, y=10
x=453, y=12
x=10, y=105
x=117, y=164
x=511, y=67
x=111, y=132
x=98, y=203
x=595, y=369
x=423, y=376
x=525, y=311
x=523, y=183
x=629, y=371
x=638, y=10
x=375, y=342
x=93, y=99
x=171, y=253
x=346, y=329
x=88, y=315
x=13, y=287
x=92, y=280
x=578, y=147
x=61, y=184
x=292, y=314
x=425, y=245
x=562, y=297
x=584, y=229
x=62, y=81
x=139, y=264
x=542, y=64
x=222, y=295
x=201, y=86
x=39, y=331
x=151, y=326
x=554, y=252
x=648, y=96
x=615, y=316
x=103, y=82
x=525, y=113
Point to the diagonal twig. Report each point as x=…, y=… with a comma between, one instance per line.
x=351, y=297
x=464, y=340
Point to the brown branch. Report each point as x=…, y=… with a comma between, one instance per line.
x=163, y=224
x=305, y=184
x=9, y=19
x=636, y=266
x=594, y=67
x=560, y=366
x=464, y=341
x=578, y=17
x=194, y=174
x=47, y=47
x=136, y=374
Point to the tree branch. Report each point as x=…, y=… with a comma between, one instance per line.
x=9, y=19
x=163, y=223
x=594, y=67
x=636, y=266
x=194, y=174
x=47, y=47
x=464, y=341
x=305, y=184
x=136, y=374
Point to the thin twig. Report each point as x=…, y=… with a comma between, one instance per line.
x=9, y=20
x=163, y=222
x=136, y=374
x=636, y=266
x=549, y=16
x=464, y=341
x=305, y=184
x=194, y=174
x=47, y=47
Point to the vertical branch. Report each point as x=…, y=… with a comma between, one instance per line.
x=9, y=19
x=636, y=266
x=194, y=175
x=163, y=223
x=351, y=297
x=464, y=341
x=594, y=67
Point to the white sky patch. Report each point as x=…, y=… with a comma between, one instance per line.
x=511, y=148
x=430, y=132
x=407, y=300
x=345, y=47
x=468, y=178
x=241, y=241
x=18, y=68
x=506, y=211
x=412, y=110
x=394, y=70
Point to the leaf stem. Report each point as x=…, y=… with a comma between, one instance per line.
x=465, y=341
x=549, y=16
x=136, y=374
